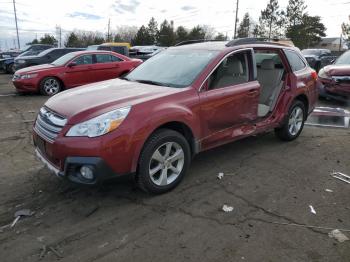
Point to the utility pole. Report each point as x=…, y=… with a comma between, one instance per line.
x=236, y=20
x=109, y=26
x=14, y=9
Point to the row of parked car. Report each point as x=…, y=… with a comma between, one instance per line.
x=48, y=70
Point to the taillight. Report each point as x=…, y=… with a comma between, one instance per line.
x=314, y=75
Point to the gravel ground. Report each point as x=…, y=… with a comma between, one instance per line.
x=270, y=185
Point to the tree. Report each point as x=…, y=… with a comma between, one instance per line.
x=269, y=16
x=166, y=35
x=259, y=30
x=153, y=30
x=125, y=33
x=220, y=37
x=295, y=11
x=72, y=40
x=34, y=41
x=143, y=37
x=84, y=39
x=209, y=31
x=346, y=30
x=181, y=34
x=48, y=40
x=308, y=33
x=244, y=27
x=196, y=33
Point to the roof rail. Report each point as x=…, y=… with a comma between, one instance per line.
x=252, y=40
x=189, y=42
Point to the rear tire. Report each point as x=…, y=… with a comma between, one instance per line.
x=294, y=122
x=163, y=162
x=50, y=86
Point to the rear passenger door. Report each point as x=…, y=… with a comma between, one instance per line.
x=301, y=77
x=106, y=67
x=229, y=100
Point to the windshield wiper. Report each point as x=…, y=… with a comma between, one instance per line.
x=150, y=82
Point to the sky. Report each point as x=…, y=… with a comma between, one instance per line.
x=37, y=17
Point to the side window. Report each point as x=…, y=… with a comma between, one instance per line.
x=232, y=71
x=295, y=61
x=115, y=59
x=84, y=60
x=103, y=58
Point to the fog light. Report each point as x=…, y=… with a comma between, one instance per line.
x=87, y=172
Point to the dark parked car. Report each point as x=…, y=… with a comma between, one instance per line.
x=145, y=52
x=184, y=100
x=5, y=57
x=120, y=48
x=318, y=58
x=45, y=57
x=72, y=70
x=36, y=49
x=7, y=64
x=336, y=78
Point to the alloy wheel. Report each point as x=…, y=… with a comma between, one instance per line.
x=166, y=163
x=295, y=122
x=51, y=86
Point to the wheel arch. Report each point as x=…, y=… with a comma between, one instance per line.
x=178, y=126
x=303, y=98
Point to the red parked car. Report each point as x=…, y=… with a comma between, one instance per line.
x=336, y=78
x=184, y=100
x=71, y=70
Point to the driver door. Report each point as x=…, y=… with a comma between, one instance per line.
x=229, y=100
x=78, y=71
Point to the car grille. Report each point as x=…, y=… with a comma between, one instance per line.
x=49, y=124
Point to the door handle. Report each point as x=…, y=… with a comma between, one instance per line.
x=252, y=92
x=116, y=66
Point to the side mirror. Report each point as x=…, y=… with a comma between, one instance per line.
x=72, y=64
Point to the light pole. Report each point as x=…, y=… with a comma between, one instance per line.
x=236, y=20
x=14, y=9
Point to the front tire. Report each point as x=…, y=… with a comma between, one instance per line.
x=294, y=123
x=164, y=161
x=50, y=86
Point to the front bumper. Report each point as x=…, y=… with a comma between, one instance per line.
x=26, y=85
x=101, y=171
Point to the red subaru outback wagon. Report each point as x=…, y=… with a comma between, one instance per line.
x=184, y=100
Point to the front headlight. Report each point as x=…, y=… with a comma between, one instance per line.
x=323, y=74
x=100, y=125
x=20, y=61
x=28, y=76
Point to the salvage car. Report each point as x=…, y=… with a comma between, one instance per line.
x=45, y=57
x=72, y=70
x=335, y=78
x=185, y=100
x=318, y=58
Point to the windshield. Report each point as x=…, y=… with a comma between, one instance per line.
x=344, y=59
x=63, y=59
x=45, y=52
x=174, y=68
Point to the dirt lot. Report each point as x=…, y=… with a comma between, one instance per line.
x=270, y=184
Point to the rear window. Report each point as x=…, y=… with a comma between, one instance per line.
x=295, y=61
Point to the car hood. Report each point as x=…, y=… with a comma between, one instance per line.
x=91, y=100
x=36, y=69
x=337, y=70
